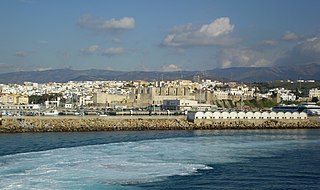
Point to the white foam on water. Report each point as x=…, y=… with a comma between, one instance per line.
x=117, y=164
x=109, y=164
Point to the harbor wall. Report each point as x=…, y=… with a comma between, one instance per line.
x=78, y=124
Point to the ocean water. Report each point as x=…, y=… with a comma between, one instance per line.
x=251, y=159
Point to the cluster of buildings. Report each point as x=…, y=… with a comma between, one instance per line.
x=183, y=93
x=167, y=95
x=281, y=94
x=314, y=93
x=217, y=115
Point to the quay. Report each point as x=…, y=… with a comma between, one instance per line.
x=139, y=123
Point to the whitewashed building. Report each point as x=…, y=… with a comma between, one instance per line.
x=182, y=104
x=192, y=115
x=314, y=92
x=208, y=115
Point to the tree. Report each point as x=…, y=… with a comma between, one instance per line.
x=315, y=99
x=35, y=99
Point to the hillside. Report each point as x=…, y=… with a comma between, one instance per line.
x=243, y=74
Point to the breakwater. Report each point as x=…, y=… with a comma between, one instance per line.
x=78, y=124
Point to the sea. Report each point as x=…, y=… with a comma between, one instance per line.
x=204, y=159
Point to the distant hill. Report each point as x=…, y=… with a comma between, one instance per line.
x=244, y=74
x=64, y=75
x=255, y=74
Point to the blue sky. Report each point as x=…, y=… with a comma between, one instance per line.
x=149, y=35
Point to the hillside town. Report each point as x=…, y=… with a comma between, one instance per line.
x=143, y=97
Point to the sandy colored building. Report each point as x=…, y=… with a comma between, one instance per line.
x=144, y=96
x=15, y=99
x=109, y=100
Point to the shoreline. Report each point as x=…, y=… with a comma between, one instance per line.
x=140, y=123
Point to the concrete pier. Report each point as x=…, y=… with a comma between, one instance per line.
x=130, y=123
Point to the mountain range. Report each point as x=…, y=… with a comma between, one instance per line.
x=240, y=74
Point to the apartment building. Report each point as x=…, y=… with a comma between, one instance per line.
x=314, y=92
x=14, y=99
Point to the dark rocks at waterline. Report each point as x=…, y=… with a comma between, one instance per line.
x=59, y=124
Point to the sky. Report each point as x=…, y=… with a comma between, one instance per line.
x=154, y=35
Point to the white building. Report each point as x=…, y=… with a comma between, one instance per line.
x=314, y=92
x=288, y=97
x=20, y=107
x=85, y=100
x=197, y=115
x=182, y=104
x=52, y=103
x=68, y=106
x=220, y=95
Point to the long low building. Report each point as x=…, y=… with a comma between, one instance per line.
x=196, y=115
x=20, y=107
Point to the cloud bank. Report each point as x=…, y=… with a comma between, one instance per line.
x=289, y=36
x=304, y=52
x=214, y=33
x=301, y=53
x=90, y=50
x=21, y=53
x=97, y=50
x=244, y=57
x=171, y=68
x=125, y=23
x=112, y=51
x=270, y=42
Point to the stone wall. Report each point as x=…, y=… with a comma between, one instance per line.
x=73, y=124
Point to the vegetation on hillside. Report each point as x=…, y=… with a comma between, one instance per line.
x=253, y=104
x=36, y=99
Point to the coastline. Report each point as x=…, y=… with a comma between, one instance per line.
x=139, y=123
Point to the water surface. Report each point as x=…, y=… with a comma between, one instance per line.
x=251, y=159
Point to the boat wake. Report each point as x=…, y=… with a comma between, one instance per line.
x=120, y=164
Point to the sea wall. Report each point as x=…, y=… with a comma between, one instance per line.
x=78, y=124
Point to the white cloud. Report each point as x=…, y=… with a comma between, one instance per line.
x=43, y=69
x=270, y=42
x=171, y=68
x=262, y=63
x=235, y=57
x=21, y=53
x=242, y=57
x=97, y=50
x=90, y=50
x=124, y=23
x=226, y=64
x=311, y=45
x=289, y=36
x=214, y=33
x=112, y=51
x=306, y=51
x=218, y=27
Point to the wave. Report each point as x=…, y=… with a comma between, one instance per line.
x=109, y=164
x=117, y=164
